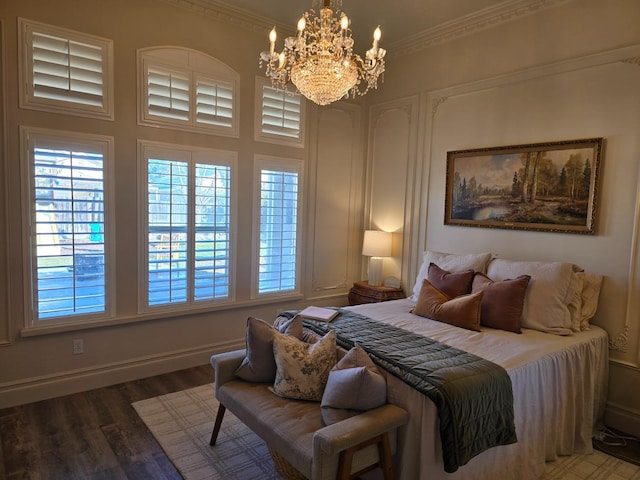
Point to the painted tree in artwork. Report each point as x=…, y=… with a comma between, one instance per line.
x=562, y=182
x=516, y=187
x=457, y=184
x=585, y=185
x=533, y=190
x=529, y=176
x=574, y=169
x=526, y=161
x=547, y=179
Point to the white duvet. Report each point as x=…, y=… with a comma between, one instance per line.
x=559, y=387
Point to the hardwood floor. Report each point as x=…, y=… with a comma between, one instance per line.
x=98, y=435
x=90, y=435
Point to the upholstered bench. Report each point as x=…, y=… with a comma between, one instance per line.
x=295, y=429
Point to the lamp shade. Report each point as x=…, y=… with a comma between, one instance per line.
x=376, y=243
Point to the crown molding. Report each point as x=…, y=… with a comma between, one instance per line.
x=469, y=24
x=224, y=12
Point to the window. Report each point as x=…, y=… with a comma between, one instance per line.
x=279, y=115
x=65, y=72
x=69, y=225
x=184, y=89
x=188, y=234
x=277, y=223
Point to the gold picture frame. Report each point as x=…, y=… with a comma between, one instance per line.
x=551, y=187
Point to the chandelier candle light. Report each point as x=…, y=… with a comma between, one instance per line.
x=320, y=61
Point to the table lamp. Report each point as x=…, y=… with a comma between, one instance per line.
x=376, y=244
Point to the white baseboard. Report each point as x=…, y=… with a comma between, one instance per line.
x=40, y=388
x=622, y=418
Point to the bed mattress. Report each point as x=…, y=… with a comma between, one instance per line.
x=559, y=387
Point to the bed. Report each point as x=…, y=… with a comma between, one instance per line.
x=559, y=379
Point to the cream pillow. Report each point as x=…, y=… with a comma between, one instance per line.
x=551, y=290
x=590, y=294
x=451, y=262
x=302, y=369
x=575, y=306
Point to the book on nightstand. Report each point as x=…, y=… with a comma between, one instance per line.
x=319, y=313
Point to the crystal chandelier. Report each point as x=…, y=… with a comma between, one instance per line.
x=320, y=61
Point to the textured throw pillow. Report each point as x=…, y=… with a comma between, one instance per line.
x=461, y=311
x=259, y=364
x=502, y=302
x=355, y=383
x=302, y=369
x=453, y=284
x=551, y=289
x=289, y=326
x=452, y=262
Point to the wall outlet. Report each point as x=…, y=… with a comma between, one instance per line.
x=78, y=346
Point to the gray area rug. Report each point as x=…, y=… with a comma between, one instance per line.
x=182, y=424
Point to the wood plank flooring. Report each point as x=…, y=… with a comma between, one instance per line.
x=98, y=435
x=90, y=435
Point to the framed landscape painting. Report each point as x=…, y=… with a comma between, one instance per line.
x=544, y=186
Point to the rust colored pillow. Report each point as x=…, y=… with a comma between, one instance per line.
x=462, y=311
x=453, y=284
x=502, y=301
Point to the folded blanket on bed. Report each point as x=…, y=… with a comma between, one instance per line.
x=473, y=395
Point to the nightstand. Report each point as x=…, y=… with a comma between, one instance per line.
x=362, y=292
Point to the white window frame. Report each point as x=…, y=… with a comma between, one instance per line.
x=46, y=138
x=191, y=155
x=195, y=66
x=266, y=162
x=27, y=96
x=260, y=135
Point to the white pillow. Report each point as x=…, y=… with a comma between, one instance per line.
x=551, y=290
x=450, y=262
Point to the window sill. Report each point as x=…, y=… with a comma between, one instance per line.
x=38, y=330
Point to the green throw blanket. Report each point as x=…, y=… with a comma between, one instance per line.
x=473, y=395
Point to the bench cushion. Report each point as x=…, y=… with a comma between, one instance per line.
x=275, y=419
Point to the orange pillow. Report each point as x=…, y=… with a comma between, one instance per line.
x=462, y=311
x=502, y=302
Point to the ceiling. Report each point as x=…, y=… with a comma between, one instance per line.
x=401, y=21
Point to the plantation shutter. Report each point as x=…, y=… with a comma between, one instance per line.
x=67, y=70
x=212, y=232
x=68, y=208
x=278, y=231
x=168, y=94
x=214, y=103
x=281, y=113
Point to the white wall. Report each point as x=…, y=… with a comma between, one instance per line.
x=565, y=73
x=41, y=366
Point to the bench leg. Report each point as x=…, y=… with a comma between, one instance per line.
x=384, y=453
x=384, y=458
x=217, y=425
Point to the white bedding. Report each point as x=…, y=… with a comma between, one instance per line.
x=559, y=387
